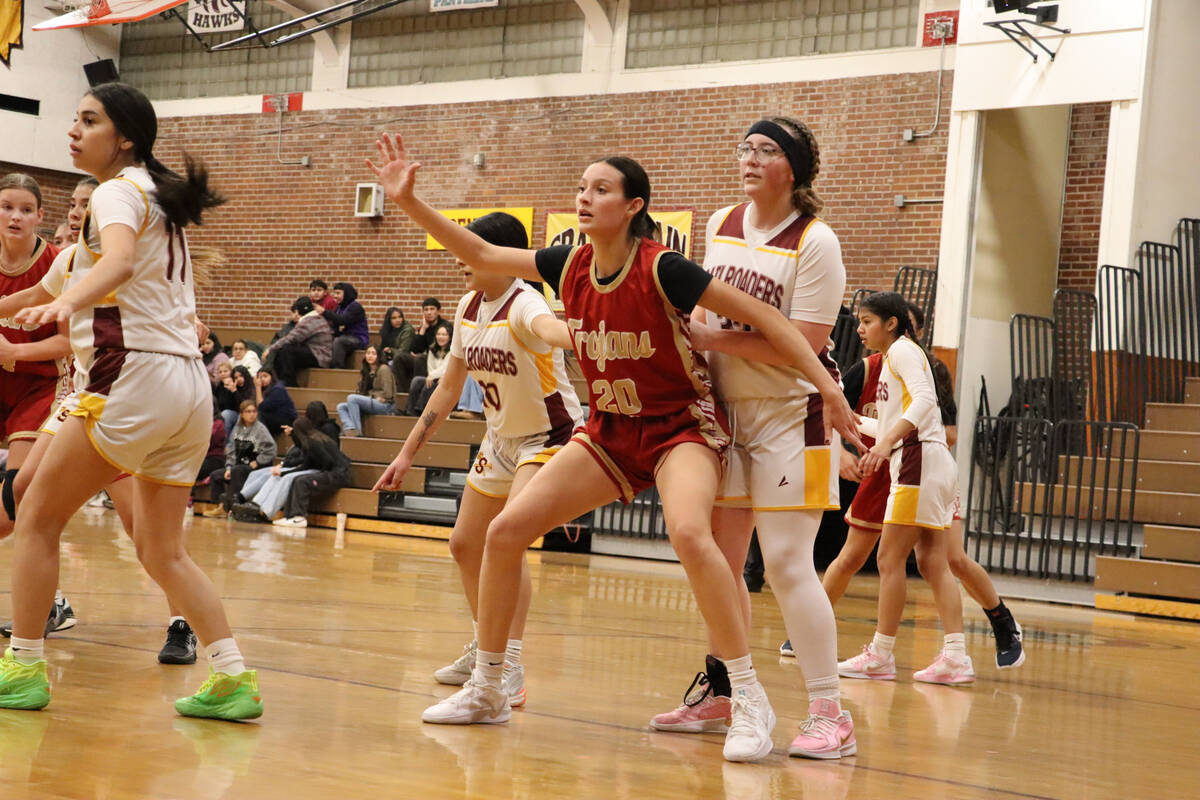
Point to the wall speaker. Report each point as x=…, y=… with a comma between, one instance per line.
x=102, y=71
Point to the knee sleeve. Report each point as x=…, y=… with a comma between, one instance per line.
x=10, y=499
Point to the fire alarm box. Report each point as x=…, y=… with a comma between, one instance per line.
x=368, y=200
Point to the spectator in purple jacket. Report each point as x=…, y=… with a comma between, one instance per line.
x=349, y=322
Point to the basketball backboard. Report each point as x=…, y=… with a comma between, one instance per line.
x=107, y=12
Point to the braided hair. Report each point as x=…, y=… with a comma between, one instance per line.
x=804, y=197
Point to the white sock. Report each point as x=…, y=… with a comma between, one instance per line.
x=28, y=651
x=512, y=653
x=827, y=688
x=955, y=646
x=173, y=620
x=741, y=671
x=224, y=656
x=475, y=629
x=58, y=596
x=489, y=669
x=883, y=645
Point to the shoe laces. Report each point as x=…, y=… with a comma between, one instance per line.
x=698, y=691
x=750, y=720
x=178, y=633
x=467, y=659
x=818, y=725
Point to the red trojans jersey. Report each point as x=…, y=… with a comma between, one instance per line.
x=30, y=274
x=633, y=345
x=872, y=369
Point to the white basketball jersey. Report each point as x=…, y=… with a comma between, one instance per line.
x=524, y=381
x=795, y=267
x=153, y=311
x=906, y=391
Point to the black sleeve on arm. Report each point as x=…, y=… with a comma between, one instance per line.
x=551, y=261
x=682, y=280
x=852, y=383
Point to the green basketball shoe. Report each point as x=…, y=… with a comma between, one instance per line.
x=23, y=685
x=224, y=696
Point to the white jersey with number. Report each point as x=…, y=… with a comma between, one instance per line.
x=906, y=390
x=155, y=309
x=795, y=267
x=524, y=381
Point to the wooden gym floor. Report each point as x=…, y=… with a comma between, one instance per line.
x=345, y=641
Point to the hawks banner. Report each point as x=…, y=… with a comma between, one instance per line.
x=465, y=216
x=562, y=227
x=215, y=16
x=12, y=19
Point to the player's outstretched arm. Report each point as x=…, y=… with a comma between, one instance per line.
x=397, y=174
x=117, y=242
x=35, y=295
x=552, y=331
x=440, y=404
x=785, y=338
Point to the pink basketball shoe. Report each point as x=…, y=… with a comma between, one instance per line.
x=827, y=733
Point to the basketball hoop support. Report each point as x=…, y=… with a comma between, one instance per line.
x=1008, y=26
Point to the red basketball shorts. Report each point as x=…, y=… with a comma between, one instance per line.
x=25, y=402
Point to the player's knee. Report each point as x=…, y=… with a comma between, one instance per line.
x=690, y=538
x=465, y=548
x=958, y=563
x=506, y=533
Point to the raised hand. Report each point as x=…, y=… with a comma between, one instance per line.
x=395, y=172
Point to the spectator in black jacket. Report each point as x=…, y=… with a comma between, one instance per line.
x=408, y=365
x=396, y=335
x=349, y=322
x=332, y=473
x=275, y=406
x=228, y=396
x=318, y=415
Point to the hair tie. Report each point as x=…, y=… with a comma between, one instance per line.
x=798, y=154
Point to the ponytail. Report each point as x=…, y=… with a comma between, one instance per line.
x=183, y=199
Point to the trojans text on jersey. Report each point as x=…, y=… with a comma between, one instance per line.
x=604, y=345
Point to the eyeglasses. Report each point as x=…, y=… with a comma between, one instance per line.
x=762, y=154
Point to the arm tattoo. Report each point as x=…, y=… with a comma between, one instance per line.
x=429, y=418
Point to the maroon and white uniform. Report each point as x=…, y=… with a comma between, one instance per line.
x=867, y=509
x=528, y=401
x=28, y=388
x=648, y=389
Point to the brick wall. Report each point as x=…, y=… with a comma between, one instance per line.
x=1083, y=199
x=56, y=192
x=287, y=224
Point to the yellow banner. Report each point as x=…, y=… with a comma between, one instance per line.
x=12, y=19
x=465, y=216
x=676, y=228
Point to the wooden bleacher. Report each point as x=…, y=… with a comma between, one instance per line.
x=430, y=489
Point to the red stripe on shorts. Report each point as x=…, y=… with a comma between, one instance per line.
x=910, y=461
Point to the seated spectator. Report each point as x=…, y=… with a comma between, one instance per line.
x=62, y=235
x=318, y=415
x=395, y=335
x=313, y=466
x=293, y=318
x=229, y=396
x=249, y=447
x=215, y=457
x=349, y=322
x=275, y=406
x=318, y=292
x=309, y=344
x=407, y=365
x=376, y=395
x=436, y=361
x=214, y=356
x=243, y=356
x=470, y=402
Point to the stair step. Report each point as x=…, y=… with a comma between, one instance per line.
x=462, y=431
x=1191, y=391
x=345, y=380
x=1161, y=508
x=1171, y=543
x=1173, y=417
x=364, y=476
x=1170, y=446
x=1155, y=476
x=1143, y=576
x=357, y=502
x=432, y=454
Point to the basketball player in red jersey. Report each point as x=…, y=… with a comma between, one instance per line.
x=653, y=420
x=32, y=356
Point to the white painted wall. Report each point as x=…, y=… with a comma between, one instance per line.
x=1167, y=185
x=49, y=68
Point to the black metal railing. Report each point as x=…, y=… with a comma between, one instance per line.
x=641, y=519
x=1119, y=345
x=1043, y=499
x=1074, y=317
x=1171, y=338
x=919, y=287
x=1031, y=344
